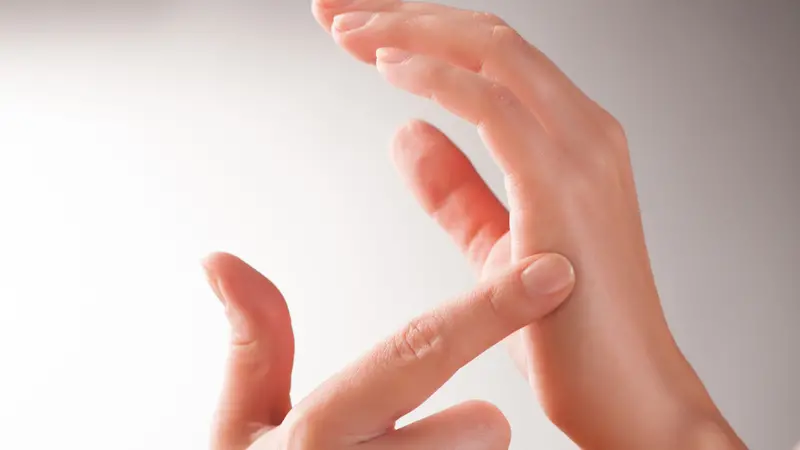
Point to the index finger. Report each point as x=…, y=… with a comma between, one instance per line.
x=399, y=374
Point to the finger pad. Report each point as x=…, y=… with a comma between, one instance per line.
x=430, y=162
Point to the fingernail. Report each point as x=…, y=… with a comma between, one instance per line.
x=548, y=275
x=240, y=328
x=392, y=55
x=333, y=3
x=351, y=21
x=212, y=280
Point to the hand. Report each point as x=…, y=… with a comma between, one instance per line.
x=606, y=367
x=358, y=407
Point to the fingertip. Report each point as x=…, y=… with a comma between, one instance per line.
x=323, y=15
x=491, y=419
x=325, y=10
x=552, y=272
x=415, y=138
x=261, y=356
x=429, y=159
x=549, y=279
x=351, y=21
x=391, y=56
x=426, y=159
x=211, y=267
x=234, y=280
x=418, y=128
x=219, y=266
x=219, y=261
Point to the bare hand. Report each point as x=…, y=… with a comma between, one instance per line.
x=358, y=407
x=606, y=367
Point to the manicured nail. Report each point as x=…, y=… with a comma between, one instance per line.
x=351, y=21
x=392, y=55
x=548, y=275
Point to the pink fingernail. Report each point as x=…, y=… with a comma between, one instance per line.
x=548, y=275
x=392, y=55
x=241, y=330
x=213, y=282
x=351, y=21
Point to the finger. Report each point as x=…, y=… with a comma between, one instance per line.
x=515, y=137
x=468, y=426
x=366, y=399
x=477, y=42
x=450, y=190
x=258, y=379
x=325, y=10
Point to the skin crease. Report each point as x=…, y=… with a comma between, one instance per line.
x=605, y=365
x=358, y=407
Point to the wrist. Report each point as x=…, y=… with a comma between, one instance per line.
x=697, y=423
x=662, y=404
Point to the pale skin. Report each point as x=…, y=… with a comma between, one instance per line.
x=358, y=408
x=604, y=364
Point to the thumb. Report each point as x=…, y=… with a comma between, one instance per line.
x=258, y=379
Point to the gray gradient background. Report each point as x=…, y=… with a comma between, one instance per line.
x=707, y=90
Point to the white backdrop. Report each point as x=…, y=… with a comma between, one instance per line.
x=134, y=139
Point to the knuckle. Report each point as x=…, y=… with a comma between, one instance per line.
x=502, y=98
x=501, y=43
x=417, y=339
x=505, y=314
x=614, y=130
x=557, y=410
x=424, y=21
x=499, y=40
x=488, y=18
x=504, y=36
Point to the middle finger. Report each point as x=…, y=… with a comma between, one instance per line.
x=515, y=138
x=477, y=42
